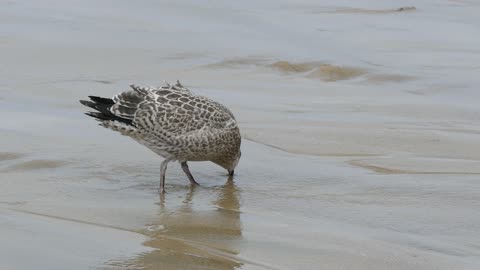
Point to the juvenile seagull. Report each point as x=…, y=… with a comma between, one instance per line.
x=174, y=123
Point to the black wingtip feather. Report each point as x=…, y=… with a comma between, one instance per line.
x=102, y=105
x=102, y=100
x=98, y=116
x=87, y=103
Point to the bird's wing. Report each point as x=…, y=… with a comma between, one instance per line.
x=175, y=87
x=170, y=111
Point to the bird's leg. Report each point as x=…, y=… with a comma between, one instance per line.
x=163, y=169
x=187, y=172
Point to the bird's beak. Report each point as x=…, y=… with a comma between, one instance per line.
x=230, y=172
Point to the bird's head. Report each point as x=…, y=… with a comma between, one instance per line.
x=234, y=163
x=231, y=154
x=229, y=162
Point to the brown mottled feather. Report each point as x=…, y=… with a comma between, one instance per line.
x=176, y=124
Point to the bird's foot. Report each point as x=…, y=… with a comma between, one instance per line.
x=194, y=183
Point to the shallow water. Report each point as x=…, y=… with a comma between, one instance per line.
x=360, y=124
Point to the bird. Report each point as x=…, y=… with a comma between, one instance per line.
x=174, y=123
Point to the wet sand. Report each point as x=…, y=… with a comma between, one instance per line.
x=322, y=213
x=358, y=153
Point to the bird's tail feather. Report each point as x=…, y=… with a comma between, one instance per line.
x=102, y=107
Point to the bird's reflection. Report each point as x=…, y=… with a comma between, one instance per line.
x=197, y=229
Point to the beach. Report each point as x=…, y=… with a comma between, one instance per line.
x=360, y=125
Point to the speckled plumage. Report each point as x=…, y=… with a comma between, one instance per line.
x=174, y=123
